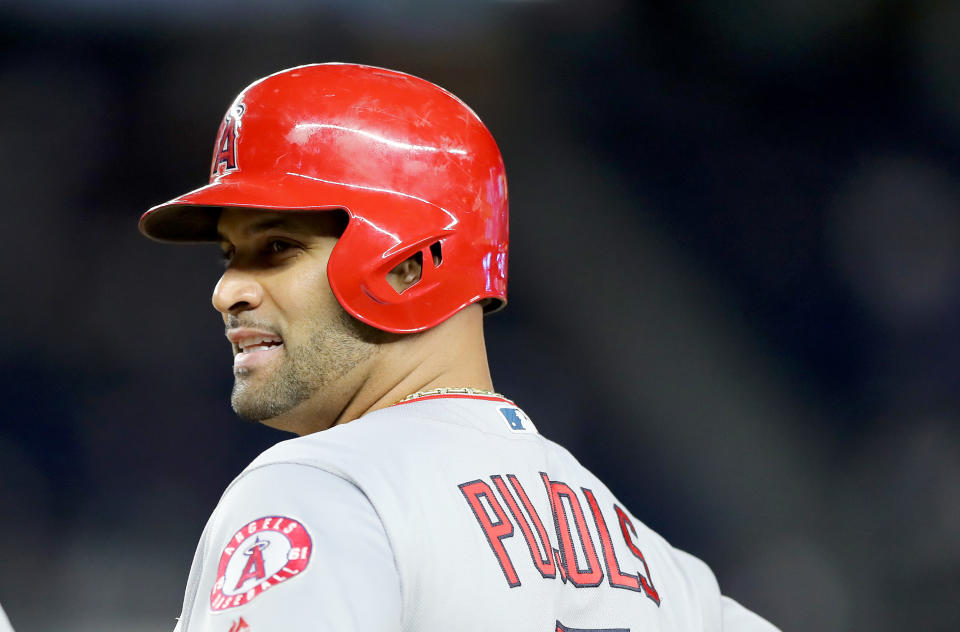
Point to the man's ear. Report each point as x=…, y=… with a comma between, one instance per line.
x=406, y=273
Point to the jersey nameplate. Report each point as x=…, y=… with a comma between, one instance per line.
x=558, y=555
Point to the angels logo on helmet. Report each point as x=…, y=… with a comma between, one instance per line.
x=263, y=553
x=225, y=151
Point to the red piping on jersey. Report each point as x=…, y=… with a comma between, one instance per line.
x=457, y=396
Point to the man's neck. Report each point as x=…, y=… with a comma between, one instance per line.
x=450, y=355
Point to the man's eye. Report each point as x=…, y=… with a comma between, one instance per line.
x=226, y=256
x=277, y=246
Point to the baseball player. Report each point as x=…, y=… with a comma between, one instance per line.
x=362, y=215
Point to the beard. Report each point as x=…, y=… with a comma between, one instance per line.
x=332, y=351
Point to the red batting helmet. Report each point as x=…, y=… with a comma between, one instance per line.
x=413, y=167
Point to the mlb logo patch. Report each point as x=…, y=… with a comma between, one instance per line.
x=517, y=420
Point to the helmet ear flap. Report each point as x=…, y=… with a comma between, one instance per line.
x=359, y=269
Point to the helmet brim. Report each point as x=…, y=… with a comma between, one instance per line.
x=193, y=217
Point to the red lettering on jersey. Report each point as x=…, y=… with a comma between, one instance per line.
x=646, y=581
x=616, y=578
x=540, y=551
x=239, y=625
x=592, y=575
x=254, y=566
x=561, y=565
x=494, y=531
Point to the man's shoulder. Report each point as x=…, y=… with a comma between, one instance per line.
x=414, y=423
x=409, y=436
x=330, y=449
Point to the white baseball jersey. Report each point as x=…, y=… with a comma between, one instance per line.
x=4, y=622
x=446, y=512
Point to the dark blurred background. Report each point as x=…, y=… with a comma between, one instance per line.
x=735, y=278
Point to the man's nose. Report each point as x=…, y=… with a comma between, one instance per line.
x=237, y=291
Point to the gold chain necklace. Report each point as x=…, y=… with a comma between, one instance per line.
x=451, y=391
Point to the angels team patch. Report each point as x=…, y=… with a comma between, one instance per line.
x=265, y=552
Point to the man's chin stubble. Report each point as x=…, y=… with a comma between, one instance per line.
x=331, y=353
x=266, y=401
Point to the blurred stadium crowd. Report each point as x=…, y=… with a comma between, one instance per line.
x=735, y=281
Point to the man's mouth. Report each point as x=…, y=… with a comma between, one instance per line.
x=253, y=347
x=259, y=343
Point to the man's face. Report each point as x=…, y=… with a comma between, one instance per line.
x=291, y=339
